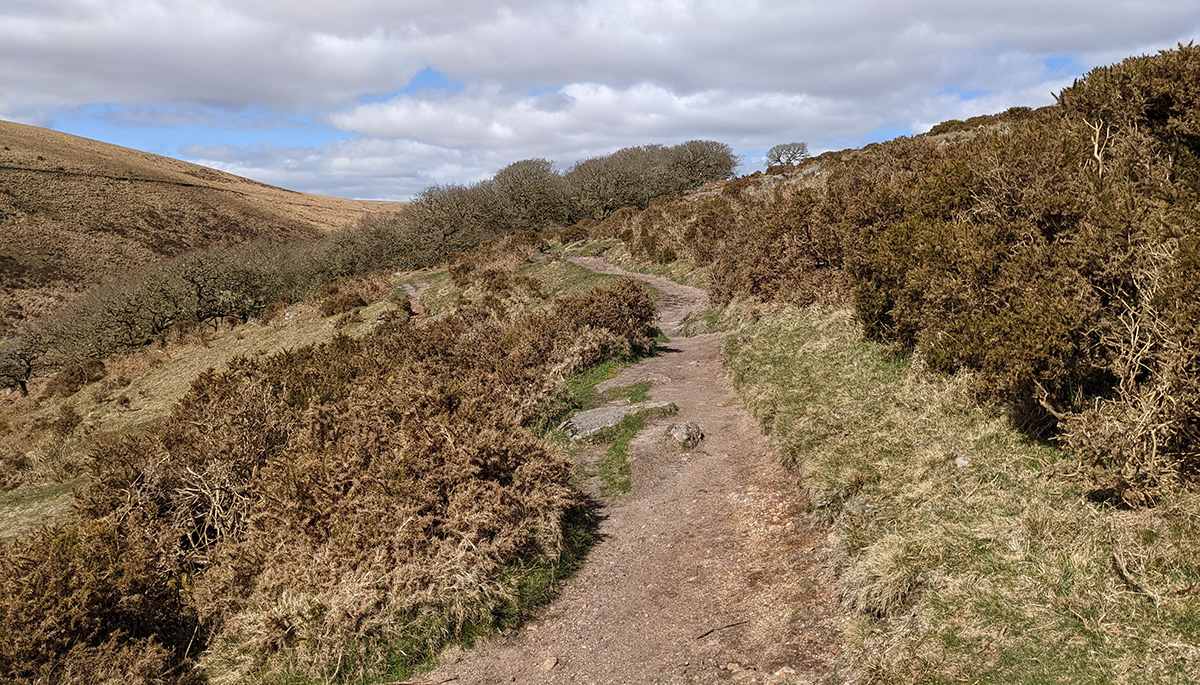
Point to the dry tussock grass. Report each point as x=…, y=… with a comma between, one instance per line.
x=969, y=552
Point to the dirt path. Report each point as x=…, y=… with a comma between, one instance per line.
x=708, y=570
x=414, y=293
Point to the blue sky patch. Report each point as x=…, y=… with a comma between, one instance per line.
x=165, y=130
x=964, y=95
x=426, y=80
x=1062, y=64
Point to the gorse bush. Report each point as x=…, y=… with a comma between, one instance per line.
x=331, y=512
x=341, y=302
x=1052, y=254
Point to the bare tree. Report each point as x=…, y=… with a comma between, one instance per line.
x=787, y=154
x=18, y=357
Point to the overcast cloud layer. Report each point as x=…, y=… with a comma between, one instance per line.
x=379, y=98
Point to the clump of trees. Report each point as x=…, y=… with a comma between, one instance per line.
x=634, y=176
x=532, y=195
x=207, y=288
x=1052, y=253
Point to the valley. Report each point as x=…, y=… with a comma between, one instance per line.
x=925, y=411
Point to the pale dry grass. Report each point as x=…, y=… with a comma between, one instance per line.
x=680, y=270
x=968, y=552
x=555, y=277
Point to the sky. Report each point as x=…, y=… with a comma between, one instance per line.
x=378, y=99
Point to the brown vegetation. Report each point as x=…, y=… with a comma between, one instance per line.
x=1052, y=253
x=333, y=511
x=233, y=284
x=73, y=211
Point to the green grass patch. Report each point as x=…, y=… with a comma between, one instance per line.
x=680, y=271
x=638, y=392
x=966, y=551
x=614, y=468
x=560, y=277
x=582, y=386
x=591, y=248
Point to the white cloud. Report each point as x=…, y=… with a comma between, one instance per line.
x=606, y=73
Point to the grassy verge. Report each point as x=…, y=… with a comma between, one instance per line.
x=560, y=277
x=966, y=552
x=582, y=386
x=556, y=278
x=680, y=271
x=614, y=468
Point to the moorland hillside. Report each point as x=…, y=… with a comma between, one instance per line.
x=74, y=210
x=977, y=348
x=1052, y=254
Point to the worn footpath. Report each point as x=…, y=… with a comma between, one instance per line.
x=708, y=570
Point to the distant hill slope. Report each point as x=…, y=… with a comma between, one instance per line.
x=74, y=210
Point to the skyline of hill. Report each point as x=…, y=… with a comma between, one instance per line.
x=74, y=211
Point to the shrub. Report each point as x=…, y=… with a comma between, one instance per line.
x=73, y=378
x=67, y=421
x=341, y=302
x=1158, y=94
x=1051, y=253
x=87, y=599
x=625, y=310
x=399, y=460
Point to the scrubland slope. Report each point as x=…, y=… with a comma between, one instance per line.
x=334, y=511
x=74, y=210
x=978, y=348
x=1053, y=254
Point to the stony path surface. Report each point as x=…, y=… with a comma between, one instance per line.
x=708, y=570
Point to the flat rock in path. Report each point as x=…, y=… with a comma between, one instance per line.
x=588, y=423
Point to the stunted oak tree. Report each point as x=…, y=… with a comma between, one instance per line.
x=531, y=193
x=697, y=161
x=787, y=154
x=18, y=357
